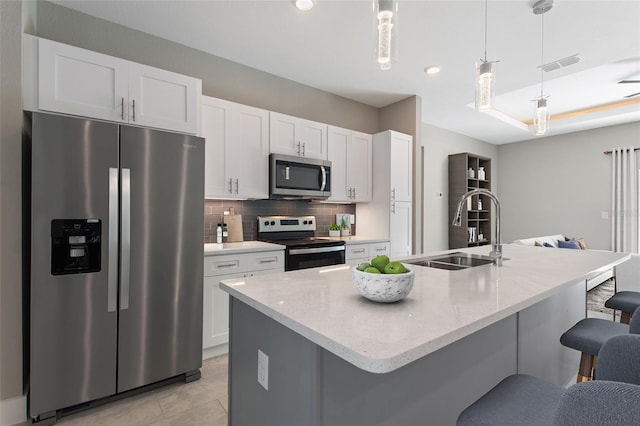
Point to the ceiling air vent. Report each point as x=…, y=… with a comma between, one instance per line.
x=561, y=63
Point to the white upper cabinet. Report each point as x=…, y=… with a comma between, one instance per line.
x=80, y=82
x=350, y=154
x=296, y=136
x=236, y=150
x=401, y=155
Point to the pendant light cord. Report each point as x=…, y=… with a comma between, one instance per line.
x=485, y=30
x=542, y=59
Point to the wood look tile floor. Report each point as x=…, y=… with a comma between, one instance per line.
x=203, y=402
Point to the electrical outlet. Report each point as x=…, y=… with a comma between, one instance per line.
x=263, y=369
x=605, y=215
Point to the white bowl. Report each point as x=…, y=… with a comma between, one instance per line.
x=384, y=288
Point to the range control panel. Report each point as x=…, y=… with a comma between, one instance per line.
x=286, y=223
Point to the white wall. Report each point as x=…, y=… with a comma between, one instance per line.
x=561, y=184
x=438, y=144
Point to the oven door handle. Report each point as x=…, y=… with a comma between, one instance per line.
x=316, y=250
x=323, y=184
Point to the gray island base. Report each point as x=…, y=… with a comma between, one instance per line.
x=335, y=358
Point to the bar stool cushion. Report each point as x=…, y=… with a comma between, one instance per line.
x=625, y=301
x=599, y=403
x=515, y=401
x=618, y=360
x=589, y=334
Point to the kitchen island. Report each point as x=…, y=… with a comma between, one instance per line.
x=335, y=358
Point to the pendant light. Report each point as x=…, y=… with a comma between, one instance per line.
x=485, y=80
x=386, y=15
x=541, y=111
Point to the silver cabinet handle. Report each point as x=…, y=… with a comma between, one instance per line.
x=226, y=265
x=268, y=261
x=381, y=249
x=304, y=146
x=125, y=242
x=112, y=285
x=237, y=186
x=354, y=193
x=122, y=107
x=134, y=110
x=359, y=251
x=393, y=208
x=298, y=146
x=393, y=194
x=230, y=186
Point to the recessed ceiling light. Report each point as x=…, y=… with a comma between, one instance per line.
x=304, y=4
x=432, y=69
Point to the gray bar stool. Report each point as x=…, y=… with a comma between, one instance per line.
x=624, y=301
x=588, y=336
x=613, y=399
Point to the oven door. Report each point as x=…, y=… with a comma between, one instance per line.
x=312, y=257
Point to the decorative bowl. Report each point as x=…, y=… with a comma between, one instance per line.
x=384, y=288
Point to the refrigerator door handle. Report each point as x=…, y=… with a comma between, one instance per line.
x=112, y=298
x=125, y=239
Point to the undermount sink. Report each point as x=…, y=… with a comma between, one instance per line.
x=453, y=261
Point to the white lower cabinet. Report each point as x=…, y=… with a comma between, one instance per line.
x=366, y=251
x=215, y=328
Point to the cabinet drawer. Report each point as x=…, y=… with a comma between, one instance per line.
x=377, y=249
x=357, y=251
x=244, y=262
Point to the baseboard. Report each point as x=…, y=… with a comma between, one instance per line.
x=13, y=411
x=215, y=350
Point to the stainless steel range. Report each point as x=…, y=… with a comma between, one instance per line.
x=303, y=249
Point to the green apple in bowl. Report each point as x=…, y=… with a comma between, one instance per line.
x=380, y=262
x=394, y=268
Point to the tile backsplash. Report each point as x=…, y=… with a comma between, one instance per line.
x=325, y=214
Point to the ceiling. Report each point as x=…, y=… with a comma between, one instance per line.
x=331, y=47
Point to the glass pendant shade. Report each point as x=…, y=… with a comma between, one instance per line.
x=484, y=87
x=386, y=23
x=541, y=117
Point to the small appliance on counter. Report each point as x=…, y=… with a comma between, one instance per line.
x=303, y=250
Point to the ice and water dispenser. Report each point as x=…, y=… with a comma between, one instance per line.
x=75, y=246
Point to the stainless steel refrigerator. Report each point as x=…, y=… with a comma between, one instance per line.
x=116, y=259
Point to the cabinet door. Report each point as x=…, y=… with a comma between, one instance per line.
x=313, y=136
x=401, y=166
x=215, y=130
x=282, y=134
x=80, y=82
x=359, y=167
x=163, y=99
x=215, y=327
x=247, y=153
x=338, y=153
x=400, y=229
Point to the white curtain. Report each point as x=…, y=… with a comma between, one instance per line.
x=624, y=201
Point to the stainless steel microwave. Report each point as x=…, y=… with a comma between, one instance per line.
x=299, y=177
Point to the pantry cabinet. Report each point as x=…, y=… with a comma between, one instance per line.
x=236, y=150
x=77, y=81
x=216, y=301
x=296, y=136
x=350, y=153
x=389, y=215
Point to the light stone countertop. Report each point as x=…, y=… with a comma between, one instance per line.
x=324, y=306
x=240, y=247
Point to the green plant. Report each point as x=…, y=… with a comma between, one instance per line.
x=334, y=227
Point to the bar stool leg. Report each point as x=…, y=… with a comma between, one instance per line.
x=586, y=367
x=625, y=318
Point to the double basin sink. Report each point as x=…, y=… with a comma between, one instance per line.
x=452, y=261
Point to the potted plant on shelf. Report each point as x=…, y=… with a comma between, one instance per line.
x=344, y=226
x=334, y=230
